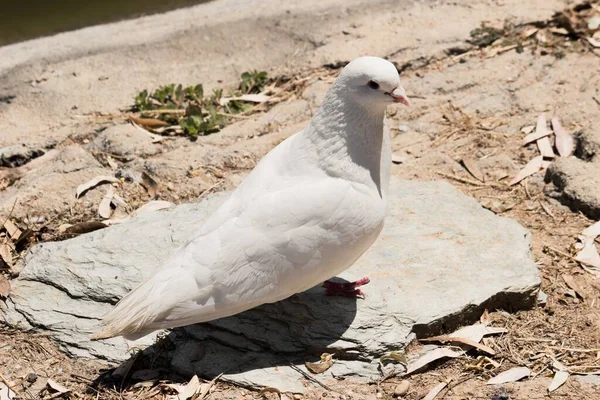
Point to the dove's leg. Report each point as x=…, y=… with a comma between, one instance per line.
x=349, y=289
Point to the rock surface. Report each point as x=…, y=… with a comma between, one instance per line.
x=125, y=141
x=17, y=155
x=46, y=185
x=440, y=261
x=575, y=181
x=588, y=144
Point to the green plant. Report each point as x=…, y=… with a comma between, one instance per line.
x=253, y=82
x=194, y=112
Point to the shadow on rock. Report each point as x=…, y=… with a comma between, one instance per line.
x=291, y=331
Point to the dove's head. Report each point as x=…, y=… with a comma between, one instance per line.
x=372, y=82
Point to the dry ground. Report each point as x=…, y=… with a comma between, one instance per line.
x=470, y=104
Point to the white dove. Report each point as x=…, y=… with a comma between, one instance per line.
x=308, y=211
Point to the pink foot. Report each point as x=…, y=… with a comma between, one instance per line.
x=348, y=289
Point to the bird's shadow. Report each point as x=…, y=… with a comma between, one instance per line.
x=291, y=331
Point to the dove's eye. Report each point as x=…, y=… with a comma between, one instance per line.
x=373, y=85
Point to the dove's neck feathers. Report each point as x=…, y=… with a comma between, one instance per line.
x=349, y=141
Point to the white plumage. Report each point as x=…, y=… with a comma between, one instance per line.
x=309, y=210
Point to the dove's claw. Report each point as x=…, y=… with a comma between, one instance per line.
x=348, y=289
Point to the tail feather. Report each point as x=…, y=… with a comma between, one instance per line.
x=153, y=305
x=130, y=315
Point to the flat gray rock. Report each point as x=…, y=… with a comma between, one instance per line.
x=440, y=261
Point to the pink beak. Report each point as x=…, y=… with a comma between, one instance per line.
x=399, y=96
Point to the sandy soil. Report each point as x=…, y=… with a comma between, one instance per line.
x=468, y=104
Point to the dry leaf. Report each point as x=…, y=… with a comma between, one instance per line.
x=512, y=375
x=559, y=31
x=85, y=227
x=467, y=342
x=189, y=390
x=473, y=168
x=104, y=209
x=149, y=184
x=267, y=389
x=155, y=138
x=118, y=201
x=12, y=229
x=92, y=183
x=154, y=205
x=533, y=166
x=545, y=147
x=149, y=122
x=6, y=254
x=594, y=42
x=435, y=391
x=473, y=332
x=528, y=129
x=541, y=127
x=485, y=318
x=4, y=287
x=206, y=387
x=570, y=281
x=321, y=366
x=564, y=142
x=63, y=228
x=557, y=365
x=560, y=377
x=529, y=31
x=588, y=255
x=56, y=387
x=477, y=331
x=541, y=37
x=111, y=162
x=532, y=137
x=434, y=355
x=592, y=231
x=6, y=393
x=491, y=330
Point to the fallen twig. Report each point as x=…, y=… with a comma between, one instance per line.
x=310, y=378
x=469, y=181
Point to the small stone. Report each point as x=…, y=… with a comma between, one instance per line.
x=379, y=395
x=402, y=388
x=124, y=141
x=502, y=395
x=576, y=184
x=594, y=23
x=403, y=128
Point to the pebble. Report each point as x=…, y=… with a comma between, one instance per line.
x=402, y=388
